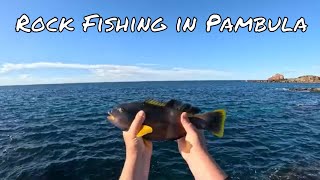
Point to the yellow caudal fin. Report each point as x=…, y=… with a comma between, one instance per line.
x=144, y=130
x=214, y=121
x=221, y=116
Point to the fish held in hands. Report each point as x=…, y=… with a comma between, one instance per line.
x=162, y=119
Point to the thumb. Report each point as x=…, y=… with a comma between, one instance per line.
x=188, y=127
x=137, y=123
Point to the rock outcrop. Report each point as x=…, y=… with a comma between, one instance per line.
x=276, y=77
x=280, y=78
x=304, y=79
x=305, y=89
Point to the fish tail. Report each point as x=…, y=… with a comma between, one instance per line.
x=214, y=121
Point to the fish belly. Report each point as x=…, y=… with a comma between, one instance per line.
x=166, y=126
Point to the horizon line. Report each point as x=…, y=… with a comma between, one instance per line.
x=97, y=82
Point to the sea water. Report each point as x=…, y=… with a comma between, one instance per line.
x=61, y=132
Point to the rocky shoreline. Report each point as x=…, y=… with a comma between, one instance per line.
x=279, y=78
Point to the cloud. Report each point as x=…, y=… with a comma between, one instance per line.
x=24, y=76
x=8, y=67
x=108, y=72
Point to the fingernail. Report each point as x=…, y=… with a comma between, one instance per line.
x=184, y=118
x=184, y=115
x=141, y=113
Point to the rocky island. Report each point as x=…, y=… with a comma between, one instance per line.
x=279, y=78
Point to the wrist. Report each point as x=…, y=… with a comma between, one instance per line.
x=196, y=155
x=136, y=155
x=139, y=164
x=203, y=162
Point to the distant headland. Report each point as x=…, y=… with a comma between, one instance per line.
x=279, y=78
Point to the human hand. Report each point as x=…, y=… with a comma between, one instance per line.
x=194, y=151
x=138, y=151
x=193, y=144
x=137, y=146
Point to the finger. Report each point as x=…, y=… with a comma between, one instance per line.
x=137, y=123
x=187, y=124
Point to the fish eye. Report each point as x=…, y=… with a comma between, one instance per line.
x=120, y=110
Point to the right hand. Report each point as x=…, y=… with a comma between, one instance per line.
x=193, y=149
x=193, y=144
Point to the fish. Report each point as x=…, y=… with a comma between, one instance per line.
x=162, y=119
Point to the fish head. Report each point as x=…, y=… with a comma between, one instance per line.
x=123, y=114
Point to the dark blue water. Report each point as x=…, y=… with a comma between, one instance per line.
x=60, y=131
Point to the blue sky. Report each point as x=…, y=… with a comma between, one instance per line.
x=32, y=58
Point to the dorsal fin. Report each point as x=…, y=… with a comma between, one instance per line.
x=173, y=103
x=185, y=107
x=154, y=102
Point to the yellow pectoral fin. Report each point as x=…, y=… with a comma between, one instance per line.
x=144, y=130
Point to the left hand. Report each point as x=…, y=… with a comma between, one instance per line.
x=138, y=151
x=137, y=146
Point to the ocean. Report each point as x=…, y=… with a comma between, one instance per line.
x=61, y=132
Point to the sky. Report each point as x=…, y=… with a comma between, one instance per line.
x=92, y=56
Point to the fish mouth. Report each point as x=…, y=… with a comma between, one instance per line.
x=110, y=116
